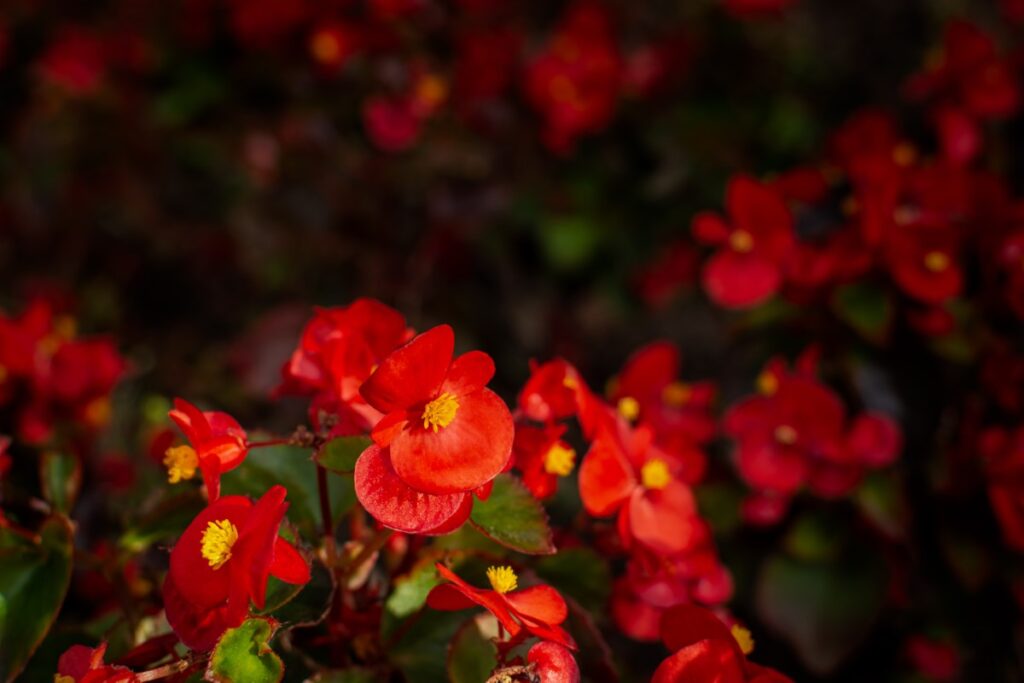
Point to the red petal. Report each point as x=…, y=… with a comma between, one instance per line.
x=709, y=661
x=289, y=565
x=199, y=628
x=874, y=440
x=469, y=452
x=413, y=372
x=555, y=663
x=455, y=521
x=542, y=604
x=761, y=211
x=684, y=625
x=254, y=550
x=735, y=280
x=76, y=661
x=190, y=420
x=665, y=521
x=469, y=372
x=606, y=478
x=389, y=426
x=393, y=503
x=198, y=582
x=709, y=228
x=493, y=602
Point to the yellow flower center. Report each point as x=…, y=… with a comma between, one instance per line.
x=767, y=383
x=217, y=541
x=570, y=383
x=326, y=47
x=440, y=412
x=655, y=475
x=785, y=434
x=58, y=678
x=741, y=241
x=743, y=638
x=629, y=408
x=904, y=155
x=97, y=412
x=502, y=579
x=676, y=394
x=559, y=460
x=936, y=261
x=181, y=463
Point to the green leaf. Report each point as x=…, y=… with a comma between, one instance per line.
x=866, y=308
x=472, y=655
x=340, y=455
x=579, y=573
x=569, y=242
x=421, y=652
x=34, y=578
x=61, y=477
x=301, y=605
x=164, y=522
x=513, y=518
x=293, y=468
x=409, y=594
x=243, y=655
x=824, y=610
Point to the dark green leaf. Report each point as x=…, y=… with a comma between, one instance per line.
x=164, y=522
x=301, y=605
x=513, y=518
x=866, y=308
x=472, y=655
x=823, y=610
x=243, y=655
x=340, y=455
x=578, y=573
x=34, y=577
x=61, y=477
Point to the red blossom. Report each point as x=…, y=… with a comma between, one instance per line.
x=218, y=445
x=707, y=651
x=535, y=611
x=937, y=660
x=222, y=562
x=1002, y=454
x=552, y=392
x=543, y=458
x=84, y=664
x=746, y=268
x=445, y=431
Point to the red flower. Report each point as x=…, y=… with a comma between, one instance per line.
x=574, y=83
x=5, y=458
x=625, y=473
x=81, y=664
x=543, y=458
x=221, y=563
x=747, y=267
x=706, y=651
x=937, y=660
x=1002, y=454
x=218, y=445
x=339, y=349
x=923, y=262
x=75, y=61
x=332, y=44
x=795, y=433
x=535, y=611
x=679, y=412
x=446, y=432
x=391, y=124
x=552, y=392
x=553, y=663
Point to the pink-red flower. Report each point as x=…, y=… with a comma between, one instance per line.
x=707, y=651
x=222, y=562
x=535, y=611
x=543, y=457
x=746, y=268
x=81, y=664
x=218, y=444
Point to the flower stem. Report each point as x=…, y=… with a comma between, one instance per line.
x=325, y=514
x=379, y=539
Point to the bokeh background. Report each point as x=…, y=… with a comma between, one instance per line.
x=192, y=177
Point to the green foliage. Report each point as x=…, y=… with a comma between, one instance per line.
x=34, y=577
x=243, y=655
x=340, y=454
x=578, y=573
x=472, y=655
x=868, y=309
x=164, y=521
x=513, y=518
x=61, y=477
x=301, y=605
x=293, y=468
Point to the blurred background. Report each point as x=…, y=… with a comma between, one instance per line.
x=192, y=177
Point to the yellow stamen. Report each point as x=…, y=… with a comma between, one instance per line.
x=629, y=408
x=440, y=412
x=655, y=475
x=58, y=678
x=181, y=463
x=217, y=541
x=570, y=383
x=743, y=638
x=559, y=460
x=785, y=435
x=502, y=579
x=326, y=47
x=936, y=261
x=431, y=90
x=741, y=241
x=904, y=155
x=676, y=394
x=767, y=383
x=98, y=411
